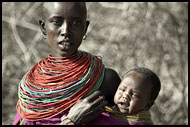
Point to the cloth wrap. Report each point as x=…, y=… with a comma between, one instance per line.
x=113, y=117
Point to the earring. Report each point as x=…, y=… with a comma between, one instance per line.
x=44, y=36
x=84, y=37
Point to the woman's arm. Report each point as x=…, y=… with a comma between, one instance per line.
x=86, y=109
x=109, y=85
x=89, y=108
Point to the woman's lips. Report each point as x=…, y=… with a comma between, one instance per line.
x=64, y=45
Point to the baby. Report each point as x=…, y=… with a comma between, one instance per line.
x=137, y=91
x=133, y=99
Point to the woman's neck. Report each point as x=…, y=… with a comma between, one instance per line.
x=58, y=55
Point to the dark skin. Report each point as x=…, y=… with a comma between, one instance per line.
x=133, y=94
x=64, y=26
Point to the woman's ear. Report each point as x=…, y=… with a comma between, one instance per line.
x=87, y=24
x=42, y=27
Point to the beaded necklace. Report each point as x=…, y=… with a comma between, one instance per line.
x=56, y=83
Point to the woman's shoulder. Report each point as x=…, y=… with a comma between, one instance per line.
x=110, y=73
x=110, y=84
x=111, y=79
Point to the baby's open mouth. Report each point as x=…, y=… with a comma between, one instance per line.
x=123, y=108
x=124, y=104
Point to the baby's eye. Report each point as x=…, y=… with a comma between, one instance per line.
x=134, y=95
x=121, y=89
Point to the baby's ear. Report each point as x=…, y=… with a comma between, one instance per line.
x=149, y=105
x=42, y=26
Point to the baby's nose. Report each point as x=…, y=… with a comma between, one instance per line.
x=126, y=96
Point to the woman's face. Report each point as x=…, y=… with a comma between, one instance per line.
x=65, y=25
x=131, y=95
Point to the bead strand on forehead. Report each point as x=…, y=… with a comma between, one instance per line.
x=56, y=83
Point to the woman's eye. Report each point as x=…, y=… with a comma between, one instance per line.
x=76, y=22
x=56, y=22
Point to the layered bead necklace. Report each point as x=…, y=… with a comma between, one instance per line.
x=56, y=83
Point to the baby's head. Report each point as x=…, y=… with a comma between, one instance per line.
x=64, y=25
x=137, y=91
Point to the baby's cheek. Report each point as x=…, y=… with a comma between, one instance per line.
x=119, y=95
x=134, y=107
x=116, y=97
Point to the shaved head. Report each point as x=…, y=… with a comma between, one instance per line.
x=51, y=5
x=64, y=20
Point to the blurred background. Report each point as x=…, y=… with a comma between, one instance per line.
x=125, y=35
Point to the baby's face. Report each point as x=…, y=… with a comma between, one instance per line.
x=65, y=25
x=131, y=96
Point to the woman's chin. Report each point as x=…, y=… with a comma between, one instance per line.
x=64, y=53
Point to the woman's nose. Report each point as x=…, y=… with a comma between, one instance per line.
x=65, y=30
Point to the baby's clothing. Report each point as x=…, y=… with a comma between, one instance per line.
x=113, y=117
x=110, y=117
